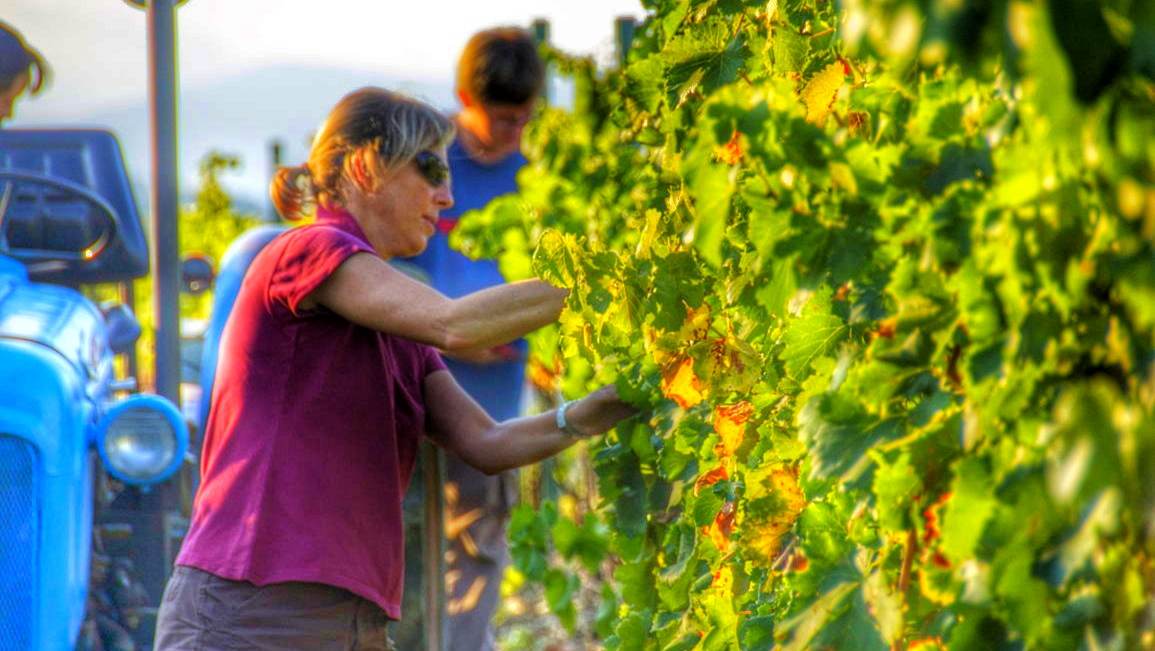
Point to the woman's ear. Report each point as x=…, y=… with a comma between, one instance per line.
x=465, y=98
x=360, y=172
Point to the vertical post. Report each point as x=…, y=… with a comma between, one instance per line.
x=164, y=251
x=433, y=546
x=128, y=297
x=545, y=489
x=624, y=27
x=276, y=158
x=540, y=30
x=152, y=510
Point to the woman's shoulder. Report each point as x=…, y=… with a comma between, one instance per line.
x=316, y=238
x=317, y=230
x=307, y=250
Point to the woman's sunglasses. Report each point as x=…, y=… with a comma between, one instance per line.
x=432, y=168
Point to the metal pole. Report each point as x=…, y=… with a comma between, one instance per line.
x=624, y=27
x=128, y=297
x=433, y=546
x=276, y=156
x=545, y=488
x=540, y=29
x=164, y=252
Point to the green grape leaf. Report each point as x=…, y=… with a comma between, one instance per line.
x=839, y=619
x=839, y=433
x=791, y=50
x=527, y=536
x=702, y=63
x=712, y=187
x=885, y=607
x=680, y=569
x=631, y=633
x=757, y=633
x=645, y=82
x=1027, y=598
x=560, y=588
x=815, y=333
x=637, y=583
x=1075, y=558
x=971, y=505
x=624, y=488
x=707, y=504
x=822, y=532
x=895, y=487
x=556, y=258
x=1085, y=455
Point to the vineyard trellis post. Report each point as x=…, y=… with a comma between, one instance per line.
x=433, y=545
x=163, y=193
x=624, y=28
x=276, y=159
x=155, y=513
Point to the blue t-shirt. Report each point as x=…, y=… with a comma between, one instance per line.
x=496, y=387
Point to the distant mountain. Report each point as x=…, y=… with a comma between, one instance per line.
x=240, y=116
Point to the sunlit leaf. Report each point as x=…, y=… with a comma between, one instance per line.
x=773, y=502
x=681, y=385
x=821, y=90
x=730, y=424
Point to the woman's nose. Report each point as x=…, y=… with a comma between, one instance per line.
x=444, y=197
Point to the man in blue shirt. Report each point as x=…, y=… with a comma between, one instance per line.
x=499, y=78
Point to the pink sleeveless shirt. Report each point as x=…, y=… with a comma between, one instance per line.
x=312, y=433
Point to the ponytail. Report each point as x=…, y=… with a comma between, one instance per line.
x=293, y=192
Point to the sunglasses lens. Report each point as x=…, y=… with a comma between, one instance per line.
x=431, y=167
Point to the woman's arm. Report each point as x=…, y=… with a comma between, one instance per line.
x=459, y=424
x=369, y=292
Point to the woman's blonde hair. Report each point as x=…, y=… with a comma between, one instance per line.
x=384, y=128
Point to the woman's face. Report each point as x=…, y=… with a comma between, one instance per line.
x=400, y=214
x=8, y=95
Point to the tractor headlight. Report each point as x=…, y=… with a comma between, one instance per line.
x=142, y=440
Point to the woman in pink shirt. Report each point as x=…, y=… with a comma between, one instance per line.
x=329, y=376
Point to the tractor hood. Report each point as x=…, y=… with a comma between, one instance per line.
x=58, y=319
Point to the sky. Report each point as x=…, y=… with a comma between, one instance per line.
x=256, y=70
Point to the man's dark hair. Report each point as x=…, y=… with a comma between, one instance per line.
x=501, y=66
x=17, y=57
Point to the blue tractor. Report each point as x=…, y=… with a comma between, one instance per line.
x=82, y=457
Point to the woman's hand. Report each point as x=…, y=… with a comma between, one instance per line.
x=599, y=411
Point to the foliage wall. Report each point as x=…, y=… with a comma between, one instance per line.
x=882, y=277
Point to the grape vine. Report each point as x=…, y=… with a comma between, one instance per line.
x=882, y=276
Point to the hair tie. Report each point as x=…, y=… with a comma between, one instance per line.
x=303, y=179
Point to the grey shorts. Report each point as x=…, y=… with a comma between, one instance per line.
x=203, y=612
